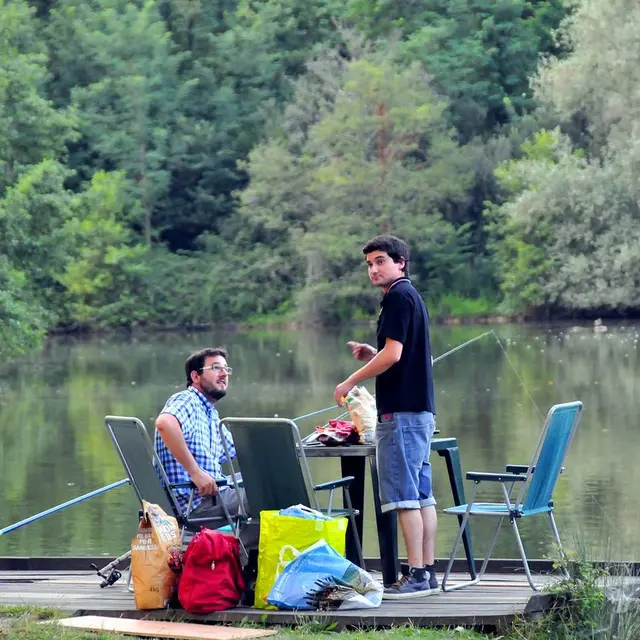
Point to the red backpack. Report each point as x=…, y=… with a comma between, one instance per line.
x=211, y=575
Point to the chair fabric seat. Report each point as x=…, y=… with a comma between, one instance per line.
x=494, y=509
x=480, y=508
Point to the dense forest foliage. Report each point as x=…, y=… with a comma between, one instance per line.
x=187, y=162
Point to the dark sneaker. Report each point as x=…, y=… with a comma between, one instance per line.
x=431, y=574
x=413, y=585
x=431, y=579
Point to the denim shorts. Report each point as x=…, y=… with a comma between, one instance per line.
x=403, y=446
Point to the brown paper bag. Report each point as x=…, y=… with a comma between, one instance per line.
x=153, y=579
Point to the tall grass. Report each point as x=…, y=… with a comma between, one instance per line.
x=599, y=600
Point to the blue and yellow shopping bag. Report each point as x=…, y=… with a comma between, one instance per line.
x=282, y=538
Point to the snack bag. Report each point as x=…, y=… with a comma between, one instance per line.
x=151, y=548
x=362, y=411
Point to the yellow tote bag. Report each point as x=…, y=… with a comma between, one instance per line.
x=282, y=538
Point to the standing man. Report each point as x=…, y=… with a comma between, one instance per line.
x=188, y=438
x=406, y=408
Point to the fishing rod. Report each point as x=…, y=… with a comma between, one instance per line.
x=433, y=361
x=62, y=506
x=461, y=346
x=119, y=483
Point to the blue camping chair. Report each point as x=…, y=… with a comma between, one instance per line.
x=537, y=482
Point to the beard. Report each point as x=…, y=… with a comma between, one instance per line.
x=217, y=394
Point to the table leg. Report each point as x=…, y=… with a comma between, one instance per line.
x=387, y=525
x=452, y=458
x=354, y=466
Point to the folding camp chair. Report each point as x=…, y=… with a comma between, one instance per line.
x=150, y=482
x=275, y=470
x=537, y=481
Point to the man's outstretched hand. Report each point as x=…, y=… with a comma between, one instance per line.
x=361, y=351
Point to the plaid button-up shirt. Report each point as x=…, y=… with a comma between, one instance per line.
x=200, y=424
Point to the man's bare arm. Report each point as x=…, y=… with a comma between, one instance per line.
x=383, y=360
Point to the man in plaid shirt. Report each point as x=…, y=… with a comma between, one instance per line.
x=188, y=440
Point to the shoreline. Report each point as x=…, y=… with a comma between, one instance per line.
x=286, y=324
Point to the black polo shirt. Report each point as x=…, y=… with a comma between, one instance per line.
x=408, y=384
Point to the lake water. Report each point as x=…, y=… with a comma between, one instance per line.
x=489, y=395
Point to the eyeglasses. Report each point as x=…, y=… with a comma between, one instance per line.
x=217, y=368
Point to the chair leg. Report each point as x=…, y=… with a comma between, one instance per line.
x=490, y=548
x=523, y=555
x=456, y=544
x=356, y=533
x=563, y=555
x=235, y=527
x=483, y=568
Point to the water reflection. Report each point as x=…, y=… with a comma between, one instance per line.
x=55, y=446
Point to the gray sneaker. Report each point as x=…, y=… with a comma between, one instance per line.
x=412, y=585
x=433, y=581
x=431, y=575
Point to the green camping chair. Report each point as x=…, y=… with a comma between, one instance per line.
x=537, y=482
x=149, y=482
x=147, y=476
x=275, y=470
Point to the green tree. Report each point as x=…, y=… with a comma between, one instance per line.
x=30, y=127
x=481, y=55
x=104, y=277
x=570, y=222
x=480, y=52
x=243, y=57
x=129, y=94
x=22, y=319
x=32, y=228
x=371, y=153
x=595, y=90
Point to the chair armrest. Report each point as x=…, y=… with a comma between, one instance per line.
x=334, y=484
x=190, y=485
x=518, y=468
x=522, y=468
x=494, y=477
x=183, y=485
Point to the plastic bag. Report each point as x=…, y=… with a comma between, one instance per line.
x=151, y=548
x=302, y=511
x=282, y=537
x=319, y=578
x=362, y=410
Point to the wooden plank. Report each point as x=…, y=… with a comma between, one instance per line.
x=370, y=619
x=159, y=629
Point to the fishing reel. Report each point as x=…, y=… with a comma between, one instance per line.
x=108, y=578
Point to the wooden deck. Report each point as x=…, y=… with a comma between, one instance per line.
x=493, y=603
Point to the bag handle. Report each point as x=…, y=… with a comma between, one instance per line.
x=282, y=563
